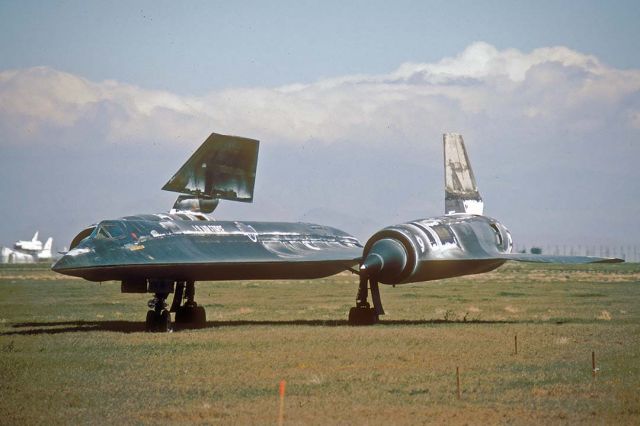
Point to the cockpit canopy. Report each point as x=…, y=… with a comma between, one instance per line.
x=110, y=230
x=81, y=236
x=105, y=230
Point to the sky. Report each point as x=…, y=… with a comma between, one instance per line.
x=101, y=102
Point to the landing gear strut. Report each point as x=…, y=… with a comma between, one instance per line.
x=188, y=314
x=158, y=318
x=363, y=313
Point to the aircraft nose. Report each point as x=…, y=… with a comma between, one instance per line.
x=71, y=261
x=62, y=264
x=55, y=267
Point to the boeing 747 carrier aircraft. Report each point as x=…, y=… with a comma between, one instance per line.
x=166, y=253
x=27, y=251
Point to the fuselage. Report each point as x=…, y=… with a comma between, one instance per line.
x=440, y=247
x=194, y=247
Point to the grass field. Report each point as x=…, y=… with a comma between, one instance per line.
x=74, y=352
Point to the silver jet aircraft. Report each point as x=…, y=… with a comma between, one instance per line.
x=166, y=254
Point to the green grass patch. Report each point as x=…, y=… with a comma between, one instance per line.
x=589, y=295
x=75, y=352
x=510, y=294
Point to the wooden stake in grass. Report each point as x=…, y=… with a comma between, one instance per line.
x=593, y=363
x=283, y=385
x=516, y=342
x=458, y=381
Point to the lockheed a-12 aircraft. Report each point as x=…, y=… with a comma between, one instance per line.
x=167, y=253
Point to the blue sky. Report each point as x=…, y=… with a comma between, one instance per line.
x=192, y=47
x=101, y=102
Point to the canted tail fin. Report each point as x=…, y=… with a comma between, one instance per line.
x=48, y=244
x=461, y=192
x=35, y=237
x=224, y=167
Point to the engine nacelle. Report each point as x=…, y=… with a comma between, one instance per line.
x=391, y=255
x=431, y=249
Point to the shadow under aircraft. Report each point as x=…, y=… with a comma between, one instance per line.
x=120, y=326
x=166, y=253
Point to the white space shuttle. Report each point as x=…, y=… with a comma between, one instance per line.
x=27, y=251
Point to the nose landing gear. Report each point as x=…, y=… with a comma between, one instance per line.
x=363, y=313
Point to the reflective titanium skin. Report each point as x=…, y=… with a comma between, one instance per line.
x=170, y=247
x=168, y=253
x=191, y=246
x=441, y=247
x=223, y=167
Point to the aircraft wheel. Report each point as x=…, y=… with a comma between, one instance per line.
x=164, y=321
x=362, y=316
x=183, y=315
x=158, y=322
x=151, y=321
x=199, y=317
x=191, y=316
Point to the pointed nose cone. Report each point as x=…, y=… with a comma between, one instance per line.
x=385, y=261
x=56, y=266
x=62, y=264
x=73, y=261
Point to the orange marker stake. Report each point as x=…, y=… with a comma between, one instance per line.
x=283, y=385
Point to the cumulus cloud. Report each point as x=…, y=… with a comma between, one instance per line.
x=548, y=85
x=482, y=61
x=551, y=127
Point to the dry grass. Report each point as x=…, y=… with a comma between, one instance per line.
x=73, y=352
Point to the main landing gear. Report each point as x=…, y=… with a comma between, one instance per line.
x=363, y=313
x=187, y=314
x=158, y=318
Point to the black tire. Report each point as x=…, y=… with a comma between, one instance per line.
x=199, y=317
x=164, y=321
x=362, y=316
x=150, y=323
x=182, y=315
x=373, y=316
x=353, y=320
x=191, y=316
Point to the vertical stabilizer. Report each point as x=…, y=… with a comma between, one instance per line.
x=223, y=168
x=35, y=237
x=461, y=192
x=45, y=254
